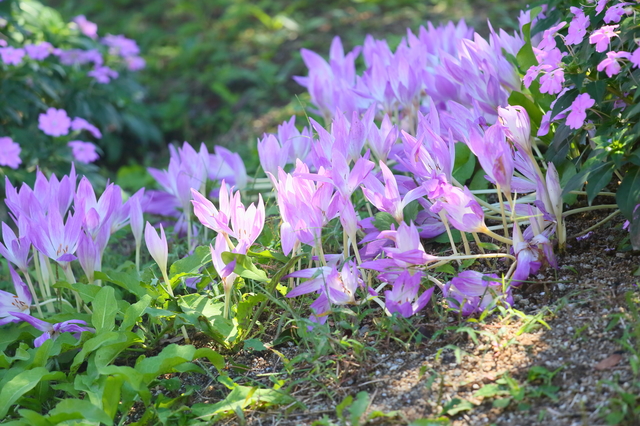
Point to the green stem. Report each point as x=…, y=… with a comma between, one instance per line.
x=602, y=222
x=33, y=292
x=590, y=208
x=495, y=236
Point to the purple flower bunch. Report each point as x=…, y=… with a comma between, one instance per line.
x=63, y=222
x=56, y=123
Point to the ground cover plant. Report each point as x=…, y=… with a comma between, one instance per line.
x=425, y=196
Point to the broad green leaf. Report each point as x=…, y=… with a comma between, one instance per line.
x=189, y=265
x=129, y=280
x=79, y=409
x=383, y=221
x=628, y=195
x=244, y=266
x=239, y=398
x=105, y=309
x=91, y=345
x=457, y=405
x=111, y=394
x=134, y=313
x=30, y=418
x=465, y=163
x=598, y=179
x=254, y=345
x=22, y=383
x=358, y=408
x=170, y=357
x=269, y=255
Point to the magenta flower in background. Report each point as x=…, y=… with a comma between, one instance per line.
x=120, y=45
x=84, y=152
x=602, y=36
x=9, y=153
x=86, y=27
x=81, y=124
x=103, y=75
x=55, y=122
x=40, y=51
x=600, y=6
x=12, y=303
x=578, y=113
x=11, y=55
x=135, y=63
x=611, y=64
x=52, y=331
x=548, y=41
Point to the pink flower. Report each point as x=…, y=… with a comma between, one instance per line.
x=40, y=51
x=9, y=153
x=82, y=124
x=103, y=75
x=548, y=41
x=11, y=55
x=551, y=82
x=86, y=27
x=611, y=64
x=578, y=113
x=55, y=122
x=84, y=152
x=602, y=36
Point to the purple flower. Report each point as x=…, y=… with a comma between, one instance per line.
x=9, y=153
x=517, y=126
x=470, y=293
x=157, y=246
x=548, y=41
x=602, y=36
x=52, y=331
x=11, y=55
x=578, y=113
x=10, y=303
x=84, y=152
x=86, y=27
x=53, y=237
x=55, y=122
x=600, y=6
x=577, y=27
x=79, y=57
x=530, y=255
x=103, y=75
x=403, y=297
x=120, y=45
x=611, y=63
x=551, y=82
x=135, y=63
x=82, y=124
x=615, y=12
x=14, y=249
x=40, y=51
x=635, y=58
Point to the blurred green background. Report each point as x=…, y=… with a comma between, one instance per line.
x=219, y=71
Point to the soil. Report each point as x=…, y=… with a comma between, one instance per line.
x=421, y=379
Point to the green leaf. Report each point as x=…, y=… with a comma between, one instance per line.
x=441, y=421
x=489, y=391
x=410, y=211
x=446, y=269
x=269, y=255
x=129, y=280
x=599, y=177
x=457, y=405
x=502, y=403
x=173, y=356
x=628, y=195
x=383, y=221
x=358, y=408
x=22, y=383
x=134, y=313
x=78, y=409
x=254, y=345
x=465, y=163
x=206, y=314
x=105, y=309
x=189, y=265
x=111, y=392
x=93, y=344
x=244, y=266
x=239, y=398
x=597, y=89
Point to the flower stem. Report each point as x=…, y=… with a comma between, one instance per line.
x=589, y=208
x=33, y=292
x=602, y=222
